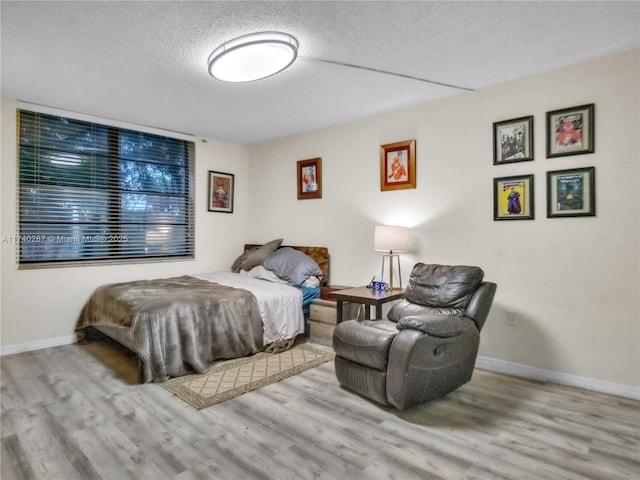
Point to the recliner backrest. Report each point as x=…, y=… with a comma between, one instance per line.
x=443, y=286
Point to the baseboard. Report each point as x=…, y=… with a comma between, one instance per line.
x=542, y=375
x=38, y=345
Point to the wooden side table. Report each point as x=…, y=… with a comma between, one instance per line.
x=367, y=297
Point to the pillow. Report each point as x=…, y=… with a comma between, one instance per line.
x=311, y=282
x=255, y=256
x=292, y=265
x=237, y=264
x=263, y=274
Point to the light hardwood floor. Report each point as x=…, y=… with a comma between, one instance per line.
x=75, y=412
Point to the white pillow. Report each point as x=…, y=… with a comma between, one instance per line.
x=263, y=274
x=311, y=282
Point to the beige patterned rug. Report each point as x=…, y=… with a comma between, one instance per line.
x=235, y=377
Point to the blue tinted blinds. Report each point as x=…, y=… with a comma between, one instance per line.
x=94, y=193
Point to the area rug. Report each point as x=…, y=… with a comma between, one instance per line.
x=235, y=377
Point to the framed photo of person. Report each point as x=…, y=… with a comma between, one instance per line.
x=571, y=193
x=513, y=198
x=398, y=165
x=571, y=131
x=513, y=140
x=221, y=192
x=309, y=178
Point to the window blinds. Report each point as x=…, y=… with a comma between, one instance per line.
x=96, y=193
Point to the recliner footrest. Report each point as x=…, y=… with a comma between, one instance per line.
x=363, y=343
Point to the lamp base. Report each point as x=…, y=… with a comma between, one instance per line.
x=390, y=258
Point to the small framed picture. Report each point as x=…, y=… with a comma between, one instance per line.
x=571, y=193
x=570, y=131
x=220, y=192
x=398, y=165
x=513, y=198
x=513, y=140
x=309, y=178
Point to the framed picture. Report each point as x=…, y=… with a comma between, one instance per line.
x=570, y=131
x=309, y=178
x=513, y=198
x=513, y=140
x=220, y=192
x=571, y=193
x=398, y=165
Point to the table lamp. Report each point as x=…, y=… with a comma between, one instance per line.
x=389, y=238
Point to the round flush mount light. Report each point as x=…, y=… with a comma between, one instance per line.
x=253, y=57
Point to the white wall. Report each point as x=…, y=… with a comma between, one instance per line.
x=40, y=307
x=573, y=282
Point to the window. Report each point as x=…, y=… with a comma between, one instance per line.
x=93, y=193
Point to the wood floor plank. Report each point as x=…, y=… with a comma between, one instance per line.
x=45, y=452
x=13, y=462
x=482, y=453
x=76, y=412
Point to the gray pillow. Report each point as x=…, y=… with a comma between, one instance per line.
x=257, y=255
x=292, y=265
x=237, y=264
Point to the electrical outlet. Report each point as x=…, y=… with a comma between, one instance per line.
x=511, y=318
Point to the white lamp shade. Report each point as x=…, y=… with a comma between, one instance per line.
x=391, y=238
x=252, y=57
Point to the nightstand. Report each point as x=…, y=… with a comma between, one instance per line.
x=323, y=314
x=367, y=297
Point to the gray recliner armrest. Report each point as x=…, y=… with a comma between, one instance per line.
x=480, y=303
x=441, y=326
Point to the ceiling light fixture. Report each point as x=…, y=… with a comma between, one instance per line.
x=253, y=57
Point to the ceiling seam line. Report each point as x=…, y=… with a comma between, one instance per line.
x=376, y=70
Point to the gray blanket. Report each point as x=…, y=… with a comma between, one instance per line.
x=178, y=325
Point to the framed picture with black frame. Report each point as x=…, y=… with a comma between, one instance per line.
x=571, y=193
x=513, y=140
x=571, y=131
x=221, y=187
x=513, y=198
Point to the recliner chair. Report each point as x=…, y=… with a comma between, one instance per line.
x=427, y=346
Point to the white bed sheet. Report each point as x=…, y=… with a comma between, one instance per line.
x=280, y=305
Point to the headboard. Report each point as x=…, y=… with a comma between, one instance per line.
x=319, y=254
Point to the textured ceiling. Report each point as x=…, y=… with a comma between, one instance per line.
x=145, y=62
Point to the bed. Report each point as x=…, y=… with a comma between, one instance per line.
x=181, y=325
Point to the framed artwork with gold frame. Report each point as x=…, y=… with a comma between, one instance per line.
x=309, y=178
x=398, y=165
